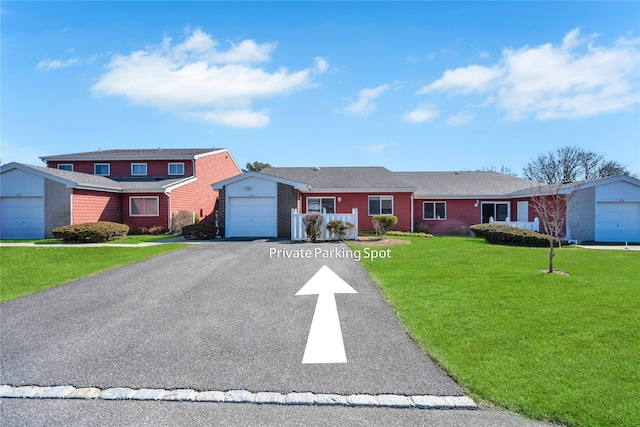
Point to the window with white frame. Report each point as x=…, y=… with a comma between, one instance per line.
x=66, y=166
x=176, y=168
x=101, y=169
x=143, y=206
x=317, y=204
x=138, y=169
x=380, y=205
x=434, y=210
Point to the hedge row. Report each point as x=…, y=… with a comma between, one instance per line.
x=506, y=234
x=91, y=232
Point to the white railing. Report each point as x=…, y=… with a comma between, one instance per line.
x=297, y=226
x=534, y=226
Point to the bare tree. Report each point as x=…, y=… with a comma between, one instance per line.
x=571, y=164
x=551, y=210
x=503, y=169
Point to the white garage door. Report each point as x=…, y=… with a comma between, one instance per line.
x=22, y=217
x=252, y=217
x=618, y=222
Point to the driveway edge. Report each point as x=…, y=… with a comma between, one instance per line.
x=238, y=396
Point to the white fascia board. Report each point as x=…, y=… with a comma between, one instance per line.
x=178, y=184
x=221, y=184
x=360, y=190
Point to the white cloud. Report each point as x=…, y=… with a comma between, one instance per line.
x=474, y=78
x=47, y=64
x=463, y=117
x=421, y=114
x=321, y=65
x=231, y=118
x=575, y=79
x=201, y=81
x=376, y=148
x=364, y=105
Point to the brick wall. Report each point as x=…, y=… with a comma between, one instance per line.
x=93, y=206
x=581, y=215
x=57, y=206
x=287, y=200
x=221, y=212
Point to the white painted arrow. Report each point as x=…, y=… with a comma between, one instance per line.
x=325, y=344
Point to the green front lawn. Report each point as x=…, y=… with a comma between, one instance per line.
x=25, y=270
x=558, y=348
x=129, y=240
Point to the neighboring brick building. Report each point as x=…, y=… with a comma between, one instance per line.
x=141, y=188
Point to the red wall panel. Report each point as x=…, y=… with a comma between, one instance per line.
x=401, y=207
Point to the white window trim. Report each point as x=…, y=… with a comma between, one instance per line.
x=144, y=197
x=177, y=163
x=108, y=165
x=434, y=211
x=322, y=197
x=381, y=197
x=66, y=164
x=502, y=202
x=139, y=164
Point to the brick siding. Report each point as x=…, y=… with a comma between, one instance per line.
x=57, y=206
x=287, y=200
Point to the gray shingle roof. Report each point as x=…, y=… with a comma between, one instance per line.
x=79, y=178
x=342, y=178
x=134, y=154
x=96, y=182
x=464, y=184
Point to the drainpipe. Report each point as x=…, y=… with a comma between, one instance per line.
x=166, y=193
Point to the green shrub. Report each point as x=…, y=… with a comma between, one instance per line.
x=312, y=225
x=382, y=223
x=409, y=234
x=199, y=231
x=339, y=229
x=506, y=234
x=91, y=232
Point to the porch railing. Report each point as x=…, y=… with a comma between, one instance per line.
x=534, y=226
x=297, y=226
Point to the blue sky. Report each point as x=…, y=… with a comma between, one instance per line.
x=408, y=86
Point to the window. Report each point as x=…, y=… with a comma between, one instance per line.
x=317, y=204
x=434, y=210
x=143, y=206
x=101, y=169
x=176, y=168
x=65, y=167
x=497, y=211
x=380, y=205
x=138, y=168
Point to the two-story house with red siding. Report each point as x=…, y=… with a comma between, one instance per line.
x=142, y=188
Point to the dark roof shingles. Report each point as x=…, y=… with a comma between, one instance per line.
x=341, y=177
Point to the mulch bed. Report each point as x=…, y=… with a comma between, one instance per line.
x=378, y=241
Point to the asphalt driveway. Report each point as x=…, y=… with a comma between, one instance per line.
x=217, y=316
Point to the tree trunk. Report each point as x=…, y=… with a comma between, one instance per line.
x=551, y=254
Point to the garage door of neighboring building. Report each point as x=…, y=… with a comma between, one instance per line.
x=22, y=217
x=252, y=217
x=618, y=222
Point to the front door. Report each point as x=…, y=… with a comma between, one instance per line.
x=523, y=211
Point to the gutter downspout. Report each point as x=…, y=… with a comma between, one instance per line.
x=166, y=193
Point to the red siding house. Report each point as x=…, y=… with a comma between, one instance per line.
x=142, y=188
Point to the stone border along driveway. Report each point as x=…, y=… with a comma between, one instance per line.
x=239, y=396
